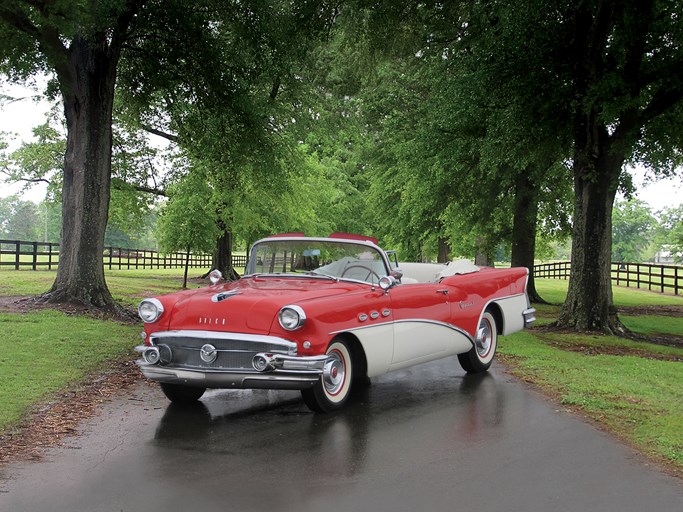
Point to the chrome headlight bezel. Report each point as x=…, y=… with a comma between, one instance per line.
x=150, y=310
x=291, y=317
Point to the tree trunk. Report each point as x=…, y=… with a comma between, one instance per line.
x=524, y=230
x=599, y=154
x=484, y=253
x=597, y=167
x=187, y=266
x=588, y=306
x=444, y=251
x=87, y=85
x=222, y=257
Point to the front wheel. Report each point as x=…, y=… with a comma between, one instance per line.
x=332, y=391
x=480, y=357
x=179, y=394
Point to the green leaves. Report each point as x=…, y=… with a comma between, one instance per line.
x=633, y=229
x=39, y=161
x=188, y=220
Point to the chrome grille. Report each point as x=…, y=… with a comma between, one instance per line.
x=233, y=354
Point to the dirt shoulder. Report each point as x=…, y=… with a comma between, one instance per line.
x=671, y=310
x=49, y=423
x=52, y=420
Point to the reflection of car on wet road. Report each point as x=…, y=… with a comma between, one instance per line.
x=318, y=314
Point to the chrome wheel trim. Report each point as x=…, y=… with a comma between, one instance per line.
x=484, y=339
x=334, y=373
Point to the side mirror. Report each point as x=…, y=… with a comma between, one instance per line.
x=387, y=282
x=397, y=273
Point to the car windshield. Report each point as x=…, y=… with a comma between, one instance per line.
x=331, y=259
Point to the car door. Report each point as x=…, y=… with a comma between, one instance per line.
x=422, y=330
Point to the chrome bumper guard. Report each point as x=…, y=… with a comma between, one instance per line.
x=529, y=316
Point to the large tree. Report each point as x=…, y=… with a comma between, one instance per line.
x=81, y=43
x=230, y=108
x=204, y=45
x=624, y=65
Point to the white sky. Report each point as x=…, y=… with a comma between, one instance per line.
x=22, y=116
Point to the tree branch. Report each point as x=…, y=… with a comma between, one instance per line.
x=159, y=133
x=119, y=184
x=47, y=36
x=14, y=178
x=122, y=26
x=662, y=100
x=275, y=89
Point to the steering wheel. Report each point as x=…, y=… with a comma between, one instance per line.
x=370, y=271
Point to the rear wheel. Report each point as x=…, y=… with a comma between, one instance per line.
x=179, y=394
x=332, y=391
x=480, y=357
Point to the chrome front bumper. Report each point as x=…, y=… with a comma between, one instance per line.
x=271, y=371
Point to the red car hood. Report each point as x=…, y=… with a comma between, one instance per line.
x=249, y=305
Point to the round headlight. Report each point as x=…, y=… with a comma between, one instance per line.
x=292, y=317
x=150, y=310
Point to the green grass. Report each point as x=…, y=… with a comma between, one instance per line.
x=637, y=398
x=648, y=324
x=555, y=292
x=47, y=351
x=126, y=286
x=634, y=389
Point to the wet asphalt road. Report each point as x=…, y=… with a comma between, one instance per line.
x=424, y=439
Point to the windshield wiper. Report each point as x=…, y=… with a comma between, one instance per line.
x=295, y=274
x=319, y=274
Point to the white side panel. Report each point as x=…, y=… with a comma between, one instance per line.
x=512, y=308
x=418, y=341
x=378, y=344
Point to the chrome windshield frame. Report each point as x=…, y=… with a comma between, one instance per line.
x=367, y=245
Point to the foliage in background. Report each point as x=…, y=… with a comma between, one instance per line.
x=633, y=227
x=439, y=127
x=19, y=219
x=187, y=221
x=670, y=231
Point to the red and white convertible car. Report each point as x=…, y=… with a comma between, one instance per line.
x=318, y=314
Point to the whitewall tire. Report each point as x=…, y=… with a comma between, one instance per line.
x=480, y=357
x=332, y=391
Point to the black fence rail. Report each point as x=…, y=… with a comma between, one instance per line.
x=660, y=278
x=20, y=255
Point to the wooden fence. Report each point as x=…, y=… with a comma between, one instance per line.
x=660, y=278
x=19, y=255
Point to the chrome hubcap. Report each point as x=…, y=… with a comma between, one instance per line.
x=484, y=338
x=333, y=374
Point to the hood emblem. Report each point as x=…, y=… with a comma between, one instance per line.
x=224, y=295
x=208, y=320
